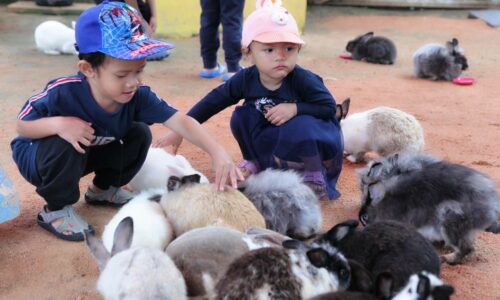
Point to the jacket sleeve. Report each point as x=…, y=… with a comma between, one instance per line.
x=316, y=101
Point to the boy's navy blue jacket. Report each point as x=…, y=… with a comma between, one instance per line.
x=71, y=96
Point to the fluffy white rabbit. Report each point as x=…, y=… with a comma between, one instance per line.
x=151, y=226
x=158, y=167
x=135, y=273
x=55, y=38
x=383, y=130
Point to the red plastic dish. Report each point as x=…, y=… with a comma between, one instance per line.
x=345, y=56
x=464, y=80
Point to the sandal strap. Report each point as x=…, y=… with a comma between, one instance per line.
x=113, y=194
x=71, y=220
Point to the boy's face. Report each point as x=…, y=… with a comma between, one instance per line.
x=273, y=60
x=115, y=81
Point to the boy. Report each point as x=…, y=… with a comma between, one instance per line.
x=96, y=121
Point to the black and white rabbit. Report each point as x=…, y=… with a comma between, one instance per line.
x=134, y=273
x=437, y=62
x=373, y=49
x=442, y=200
x=424, y=286
x=287, y=204
x=385, y=246
x=294, y=272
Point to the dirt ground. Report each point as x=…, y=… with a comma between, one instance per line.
x=461, y=124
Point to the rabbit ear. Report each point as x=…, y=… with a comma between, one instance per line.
x=375, y=170
x=376, y=192
x=442, y=292
x=452, y=45
x=340, y=231
x=318, y=257
x=361, y=278
x=293, y=244
x=97, y=249
x=123, y=235
x=173, y=183
x=423, y=287
x=195, y=178
x=383, y=285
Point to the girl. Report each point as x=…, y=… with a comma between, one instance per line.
x=288, y=118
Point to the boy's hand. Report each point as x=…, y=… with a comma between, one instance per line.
x=170, y=139
x=75, y=131
x=224, y=169
x=281, y=113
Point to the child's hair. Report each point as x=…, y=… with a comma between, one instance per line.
x=270, y=23
x=95, y=59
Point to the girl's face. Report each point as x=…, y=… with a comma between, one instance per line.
x=274, y=60
x=115, y=81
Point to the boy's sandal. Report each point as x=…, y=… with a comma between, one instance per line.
x=247, y=168
x=217, y=72
x=112, y=196
x=71, y=228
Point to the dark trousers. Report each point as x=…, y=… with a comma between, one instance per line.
x=60, y=166
x=229, y=13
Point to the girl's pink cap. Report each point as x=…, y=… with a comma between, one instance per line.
x=270, y=25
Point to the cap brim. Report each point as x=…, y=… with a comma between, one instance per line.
x=279, y=37
x=139, y=50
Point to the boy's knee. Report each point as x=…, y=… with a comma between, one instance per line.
x=140, y=132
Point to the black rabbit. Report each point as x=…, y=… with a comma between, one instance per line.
x=373, y=49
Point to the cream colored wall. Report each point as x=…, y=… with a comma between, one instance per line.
x=182, y=18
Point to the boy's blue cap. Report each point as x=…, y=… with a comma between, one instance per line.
x=114, y=28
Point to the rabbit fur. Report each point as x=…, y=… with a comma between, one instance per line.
x=54, y=38
x=189, y=205
x=203, y=254
x=373, y=49
x=437, y=62
x=158, y=167
x=288, y=205
x=385, y=246
x=424, y=286
x=151, y=226
x=294, y=272
x=444, y=201
x=134, y=273
x=383, y=130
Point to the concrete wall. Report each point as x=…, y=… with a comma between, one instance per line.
x=182, y=18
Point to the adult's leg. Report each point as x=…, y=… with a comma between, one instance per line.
x=209, y=32
x=232, y=22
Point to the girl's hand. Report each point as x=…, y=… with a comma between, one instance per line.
x=75, y=131
x=170, y=139
x=225, y=169
x=152, y=23
x=281, y=113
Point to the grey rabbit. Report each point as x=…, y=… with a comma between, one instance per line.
x=445, y=202
x=437, y=62
x=288, y=205
x=386, y=246
x=373, y=49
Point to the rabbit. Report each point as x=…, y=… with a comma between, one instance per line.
x=385, y=246
x=373, y=49
x=203, y=254
x=296, y=271
x=436, y=62
x=383, y=130
x=445, y=202
x=288, y=205
x=424, y=286
x=55, y=38
x=158, y=167
x=148, y=217
x=134, y=273
x=190, y=204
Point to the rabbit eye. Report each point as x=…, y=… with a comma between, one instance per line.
x=364, y=219
x=344, y=274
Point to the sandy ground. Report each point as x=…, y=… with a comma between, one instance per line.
x=461, y=124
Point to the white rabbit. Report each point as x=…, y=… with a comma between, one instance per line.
x=135, y=273
x=55, y=38
x=152, y=228
x=158, y=167
x=383, y=130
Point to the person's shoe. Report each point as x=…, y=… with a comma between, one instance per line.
x=219, y=70
x=112, y=196
x=71, y=228
x=228, y=75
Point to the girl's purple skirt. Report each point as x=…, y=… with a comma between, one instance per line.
x=312, y=146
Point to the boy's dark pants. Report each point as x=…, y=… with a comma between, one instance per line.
x=229, y=13
x=60, y=166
